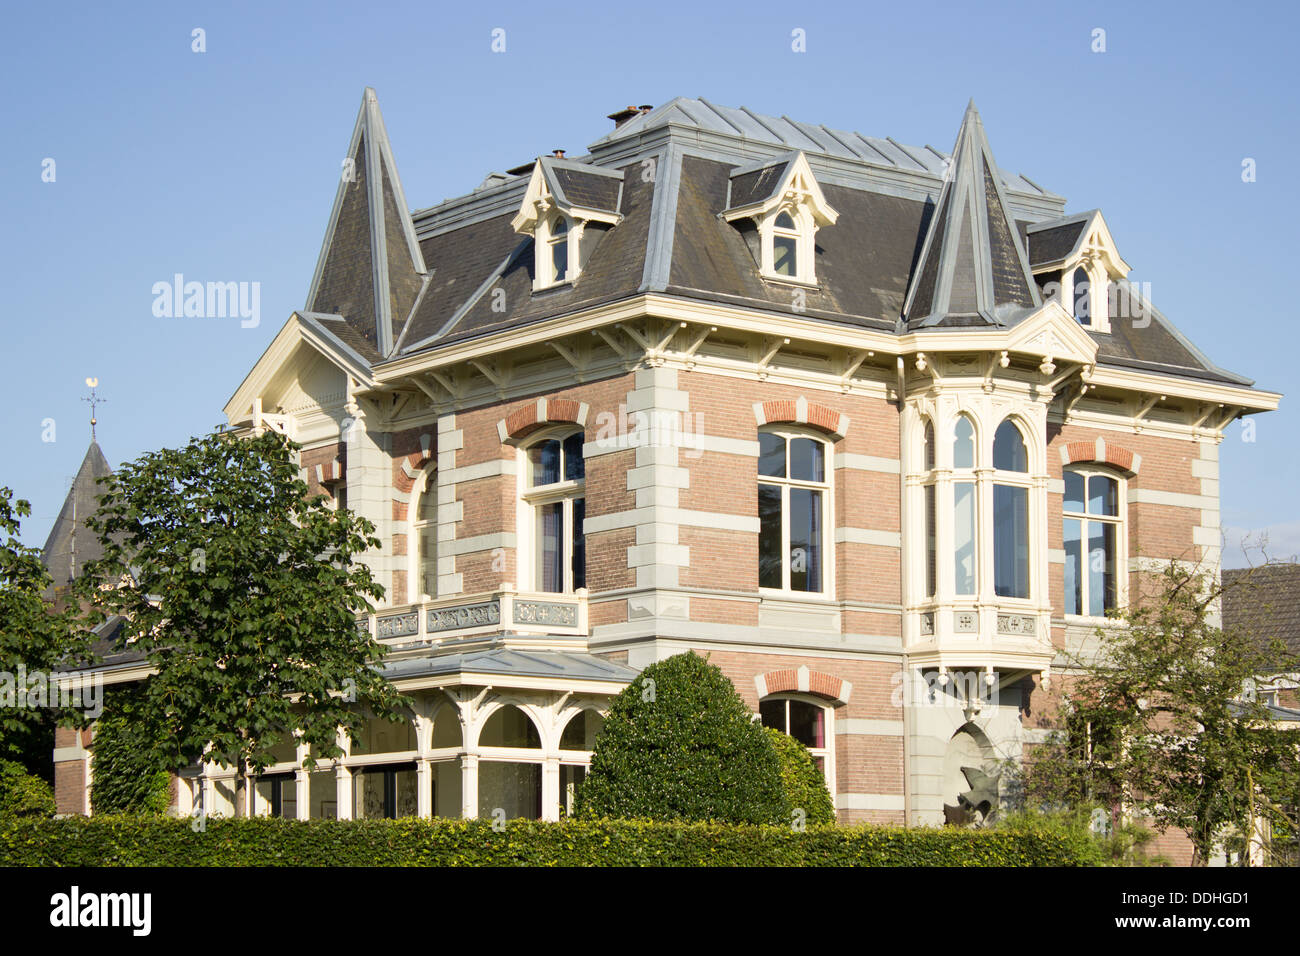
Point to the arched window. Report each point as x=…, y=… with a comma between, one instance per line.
x=424, y=532
x=792, y=491
x=1010, y=512
x=965, y=539
x=554, y=491
x=581, y=730
x=1082, y=296
x=1092, y=532
x=807, y=723
x=785, y=245
x=510, y=783
x=509, y=727
x=559, y=242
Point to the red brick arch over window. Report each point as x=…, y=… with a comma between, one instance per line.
x=803, y=681
x=800, y=411
x=545, y=411
x=1101, y=452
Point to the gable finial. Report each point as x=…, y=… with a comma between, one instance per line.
x=93, y=401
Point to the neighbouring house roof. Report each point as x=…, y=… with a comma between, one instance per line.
x=955, y=233
x=71, y=544
x=1264, y=602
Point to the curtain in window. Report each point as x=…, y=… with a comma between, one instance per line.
x=550, y=547
x=1011, y=541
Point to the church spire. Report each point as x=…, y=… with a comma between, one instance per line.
x=972, y=269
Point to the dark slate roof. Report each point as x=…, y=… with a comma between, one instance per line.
x=672, y=239
x=71, y=544
x=370, y=271
x=505, y=661
x=591, y=188
x=1053, y=243
x=1265, y=602
x=972, y=266
x=756, y=185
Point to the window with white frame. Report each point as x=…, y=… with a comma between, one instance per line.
x=1093, y=536
x=785, y=245
x=558, y=244
x=965, y=528
x=929, y=517
x=806, y=722
x=554, y=496
x=1011, y=485
x=424, y=532
x=792, y=507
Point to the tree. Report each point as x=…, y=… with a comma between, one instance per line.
x=130, y=761
x=241, y=592
x=1163, y=721
x=680, y=744
x=802, y=781
x=36, y=640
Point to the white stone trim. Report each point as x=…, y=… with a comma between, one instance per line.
x=870, y=801
x=881, y=539
x=890, y=466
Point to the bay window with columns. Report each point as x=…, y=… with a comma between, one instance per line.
x=975, y=512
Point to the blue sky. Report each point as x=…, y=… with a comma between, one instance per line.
x=222, y=165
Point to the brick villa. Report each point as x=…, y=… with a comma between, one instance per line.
x=880, y=430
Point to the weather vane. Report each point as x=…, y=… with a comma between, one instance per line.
x=93, y=401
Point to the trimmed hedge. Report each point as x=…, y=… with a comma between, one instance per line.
x=680, y=744
x=23, y=795
x=144, y=841
x=803, y=784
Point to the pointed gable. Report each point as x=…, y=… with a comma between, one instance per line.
x=371, y=269
x=972, y=268
x=71, y=544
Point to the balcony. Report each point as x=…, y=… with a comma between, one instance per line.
x=505, y=611
x=981, y=636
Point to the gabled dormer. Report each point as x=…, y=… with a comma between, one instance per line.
x=566, y=209
x=1075, y=261
x=782, y=203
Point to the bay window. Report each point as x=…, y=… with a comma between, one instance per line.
x=1010, y=512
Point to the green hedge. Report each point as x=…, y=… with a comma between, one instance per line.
x=137, y=841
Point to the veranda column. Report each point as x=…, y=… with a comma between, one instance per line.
x=551, y=789
x=469, y=786
x=423, y=768
x=343, y=780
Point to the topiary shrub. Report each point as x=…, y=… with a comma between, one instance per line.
x=23, y=795
x=130, y=773
x=801, y=780
x=680, y=744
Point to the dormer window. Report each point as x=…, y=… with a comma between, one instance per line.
x=785, y=205
x=1077, y=264
x=1082, y=295
x=566, y=232
x=559, y=245
x=785, y=246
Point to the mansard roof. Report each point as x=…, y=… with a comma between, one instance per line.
x=70, y=543
x=957, y=234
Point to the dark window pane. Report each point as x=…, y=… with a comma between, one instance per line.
x=1073, y=567
x=772, y=713
x=1009, y=448
x=545, y=460
x=963, y=444
x=805, y=539
x=807, y=724
x=806, y=462
x=929, y=445
x=560, y=227
x=1010, y=541
x=574, y=467
x=771, y=455
x=550, y=547
x=560, y=259
x=783, y=256
x=1073, y=492
x=1082, y=305
x=1103, y=498
x=1101, y=567
x=784, y=221
x=769, y=536
x=579, y=544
